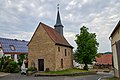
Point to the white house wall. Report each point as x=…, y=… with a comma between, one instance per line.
x=1, y=52
x=115, y=38
x=15, y=57
x=8, y=55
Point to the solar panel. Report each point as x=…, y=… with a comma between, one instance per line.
x=20, y=46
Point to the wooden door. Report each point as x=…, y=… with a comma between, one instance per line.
x=41, y=64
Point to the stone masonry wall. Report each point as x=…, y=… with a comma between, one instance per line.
x=41, y=47
x=67, y=59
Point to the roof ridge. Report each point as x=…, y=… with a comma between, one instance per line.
x=116, y=27
x=55, y=36
x=14, y=39
x=6, y=38
x=51, y=28
x=46, y=31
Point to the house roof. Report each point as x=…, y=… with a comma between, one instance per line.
x=117, y=26
x=104, y=59
x=55, y=36
x=20, y=46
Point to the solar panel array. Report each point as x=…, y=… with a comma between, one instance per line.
x=19, y=45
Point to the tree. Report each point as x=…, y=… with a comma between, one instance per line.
x=87, y=47
x=20, y=60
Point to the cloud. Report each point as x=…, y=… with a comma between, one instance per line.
x=21, y=35
x=70, y=36
x=19, y=18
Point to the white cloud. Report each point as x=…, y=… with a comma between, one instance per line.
x=19, y=18
x=70, y=36
x=18, y=35
x=75, y=4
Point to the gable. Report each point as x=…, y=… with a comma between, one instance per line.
x=115, y=29
x=54, y=35
x=40, y=36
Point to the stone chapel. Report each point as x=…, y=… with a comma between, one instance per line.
x=48, y=49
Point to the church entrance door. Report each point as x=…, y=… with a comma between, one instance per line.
x=41, y=64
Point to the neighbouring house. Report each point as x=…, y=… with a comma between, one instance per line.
x=81, y=66
x=48, y=49
x=103, y=61
x=13, y=48
x=115, y=44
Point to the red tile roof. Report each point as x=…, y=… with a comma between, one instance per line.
x=104, y=59
x=55, y=36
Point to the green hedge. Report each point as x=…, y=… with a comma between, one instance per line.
x=12, y=67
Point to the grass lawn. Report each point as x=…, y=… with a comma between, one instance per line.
x=67, y=71
x=112, y=78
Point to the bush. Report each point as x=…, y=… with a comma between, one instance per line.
x=32, y=69
x=12, y=67
x=6, y=63
x=1, y=63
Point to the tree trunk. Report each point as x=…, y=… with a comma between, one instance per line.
x=86, y=66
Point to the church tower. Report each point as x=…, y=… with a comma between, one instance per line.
x=58, y=26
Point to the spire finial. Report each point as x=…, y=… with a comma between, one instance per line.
x=58, y=7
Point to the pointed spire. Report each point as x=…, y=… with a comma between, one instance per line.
x=58, y=20
x=58, y=26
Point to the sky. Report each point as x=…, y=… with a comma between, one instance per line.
x=20, y=18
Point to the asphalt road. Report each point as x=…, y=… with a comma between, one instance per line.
x=18, y=76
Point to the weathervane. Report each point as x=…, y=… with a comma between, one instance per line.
x=58, y=7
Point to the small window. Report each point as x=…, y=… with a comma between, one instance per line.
x=61, y=63
x=12, y=47
x=65, y=52
x=59, y=49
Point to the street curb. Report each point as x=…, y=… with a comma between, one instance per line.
x=4, y=74
x=105, y=77
x=72, y=74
